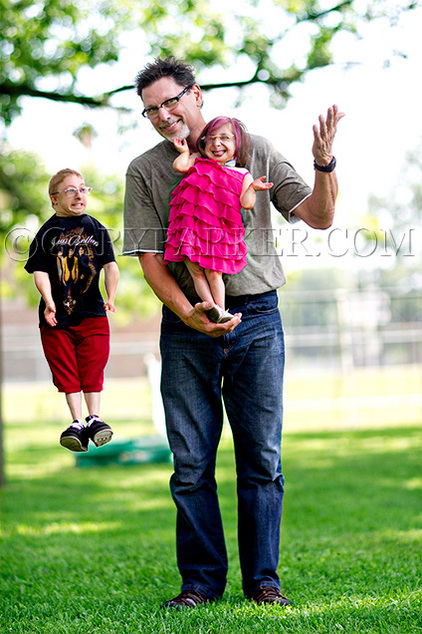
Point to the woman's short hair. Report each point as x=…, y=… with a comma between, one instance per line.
x=242, y=138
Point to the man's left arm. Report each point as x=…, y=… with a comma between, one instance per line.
x=318, y=209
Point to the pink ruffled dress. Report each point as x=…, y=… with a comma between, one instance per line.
x=205, y=221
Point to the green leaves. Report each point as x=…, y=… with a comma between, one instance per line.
x=46, y=44
x=53, y=40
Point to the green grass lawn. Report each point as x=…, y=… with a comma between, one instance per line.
x=91, y=550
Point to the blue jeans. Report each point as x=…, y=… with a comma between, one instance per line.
x=245, y=369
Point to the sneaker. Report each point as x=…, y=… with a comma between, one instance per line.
x=268, y=594
x=98, y=431
x=75, y=437
x=218, y=315
x=186, y=599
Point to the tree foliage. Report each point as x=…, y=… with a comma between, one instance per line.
x=401, y=211
x=46, y=43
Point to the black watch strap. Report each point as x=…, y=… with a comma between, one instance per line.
x=326, y=168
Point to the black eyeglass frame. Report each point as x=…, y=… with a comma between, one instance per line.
x=163, y=105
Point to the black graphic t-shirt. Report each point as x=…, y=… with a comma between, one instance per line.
x=72, y=250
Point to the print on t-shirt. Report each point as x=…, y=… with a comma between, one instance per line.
x=72, y=251
x=75, y=265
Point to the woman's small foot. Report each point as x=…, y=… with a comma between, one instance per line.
x=218, y=315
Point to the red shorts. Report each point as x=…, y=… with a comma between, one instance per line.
x=78, y=355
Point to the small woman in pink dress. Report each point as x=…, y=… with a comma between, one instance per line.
x=205, y=223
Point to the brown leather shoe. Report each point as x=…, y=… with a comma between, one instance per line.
x=186, y=599
x=268, y=594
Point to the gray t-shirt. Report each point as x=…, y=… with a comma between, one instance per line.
x=150, y=179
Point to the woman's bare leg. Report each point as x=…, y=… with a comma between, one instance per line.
x=200, y=281
x=217, y=286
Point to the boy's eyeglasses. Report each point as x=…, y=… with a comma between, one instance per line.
x=72, y=191
x=168, y=104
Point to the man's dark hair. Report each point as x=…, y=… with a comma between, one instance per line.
x=182, y=73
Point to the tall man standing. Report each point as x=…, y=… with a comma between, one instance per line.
x=240, y=362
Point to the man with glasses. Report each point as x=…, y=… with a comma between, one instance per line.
x=240, y=362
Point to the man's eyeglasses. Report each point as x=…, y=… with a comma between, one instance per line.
x=168, y=104
x=72, y=191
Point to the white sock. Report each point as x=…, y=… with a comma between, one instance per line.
x=91, y=418
x=78, y=423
